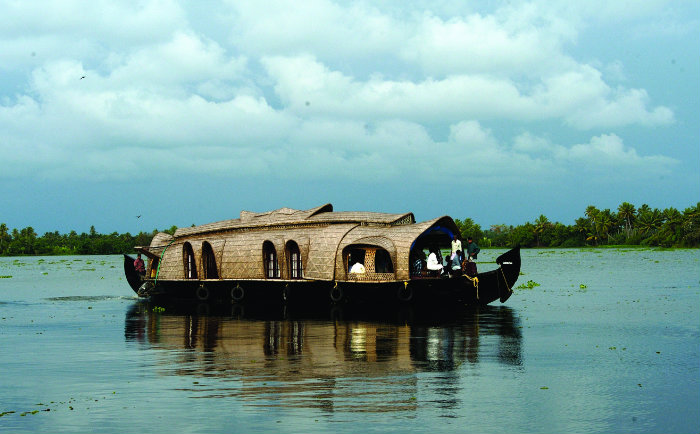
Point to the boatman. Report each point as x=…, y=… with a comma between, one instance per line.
x=472, y=250
x=139, y=266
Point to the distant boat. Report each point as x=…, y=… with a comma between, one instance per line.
x=290, y=255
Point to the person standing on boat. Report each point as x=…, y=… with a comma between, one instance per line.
x=457, y=247
x=139, y=265
x=472, y=250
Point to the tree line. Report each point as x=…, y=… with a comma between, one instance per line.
x=628, y=225
x=27, y=242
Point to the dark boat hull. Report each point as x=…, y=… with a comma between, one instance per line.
x=485, y=288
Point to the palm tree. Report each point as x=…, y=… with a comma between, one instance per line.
x=643, y=209
x=541, y=224
x=673, y=222
x=4, y=238
x=604, y=223
x=592, y=214
x=626, y=212
x=691, y=225
x=581, y=226
x=648, y=220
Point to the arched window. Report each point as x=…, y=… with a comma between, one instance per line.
x=209, y=262
x=272, y=268
x=294, y=257
x=190, y=264
x=382, y=262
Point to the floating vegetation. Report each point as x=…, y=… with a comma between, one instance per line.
x=5, y=277
x=32, y=412
x=582, y=286
x=528, y=285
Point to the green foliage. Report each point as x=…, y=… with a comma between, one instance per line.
x=628, y=226
x=467, y=228
x=528, y=285
x=26, y=242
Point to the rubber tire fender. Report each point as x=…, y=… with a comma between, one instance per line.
x=237, y=293
x=336, y=293
x=405, y=293
x=202, y=293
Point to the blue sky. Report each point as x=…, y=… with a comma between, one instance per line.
x=189, y=112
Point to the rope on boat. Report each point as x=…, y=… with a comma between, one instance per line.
x=505, y=280
x=160, y=261
x=475, y=282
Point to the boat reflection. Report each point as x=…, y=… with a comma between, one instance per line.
x=337, y=354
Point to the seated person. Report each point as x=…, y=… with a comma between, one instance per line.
x=433, y=263
x=139, y=265
x=456, y=262
x=357, y=268
x=416, y=264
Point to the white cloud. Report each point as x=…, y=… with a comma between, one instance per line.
x=323, y=86
x=603, y=153
x=578, y=97
x=339, y=33
x=479, y=44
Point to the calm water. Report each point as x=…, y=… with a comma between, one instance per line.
x=609, y=342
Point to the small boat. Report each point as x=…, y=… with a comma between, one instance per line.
x=307, y=256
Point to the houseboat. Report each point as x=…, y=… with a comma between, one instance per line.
x=290, y=255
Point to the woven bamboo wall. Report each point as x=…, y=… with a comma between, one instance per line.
x=240, y=254
x=172, y=264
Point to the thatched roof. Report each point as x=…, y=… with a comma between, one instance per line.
x=289, y=217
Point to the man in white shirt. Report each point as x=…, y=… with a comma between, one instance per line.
x=433, y=263
x=456, y=245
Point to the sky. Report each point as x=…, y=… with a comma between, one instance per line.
x=186, y=112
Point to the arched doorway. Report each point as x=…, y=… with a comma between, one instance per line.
x=209, y=262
